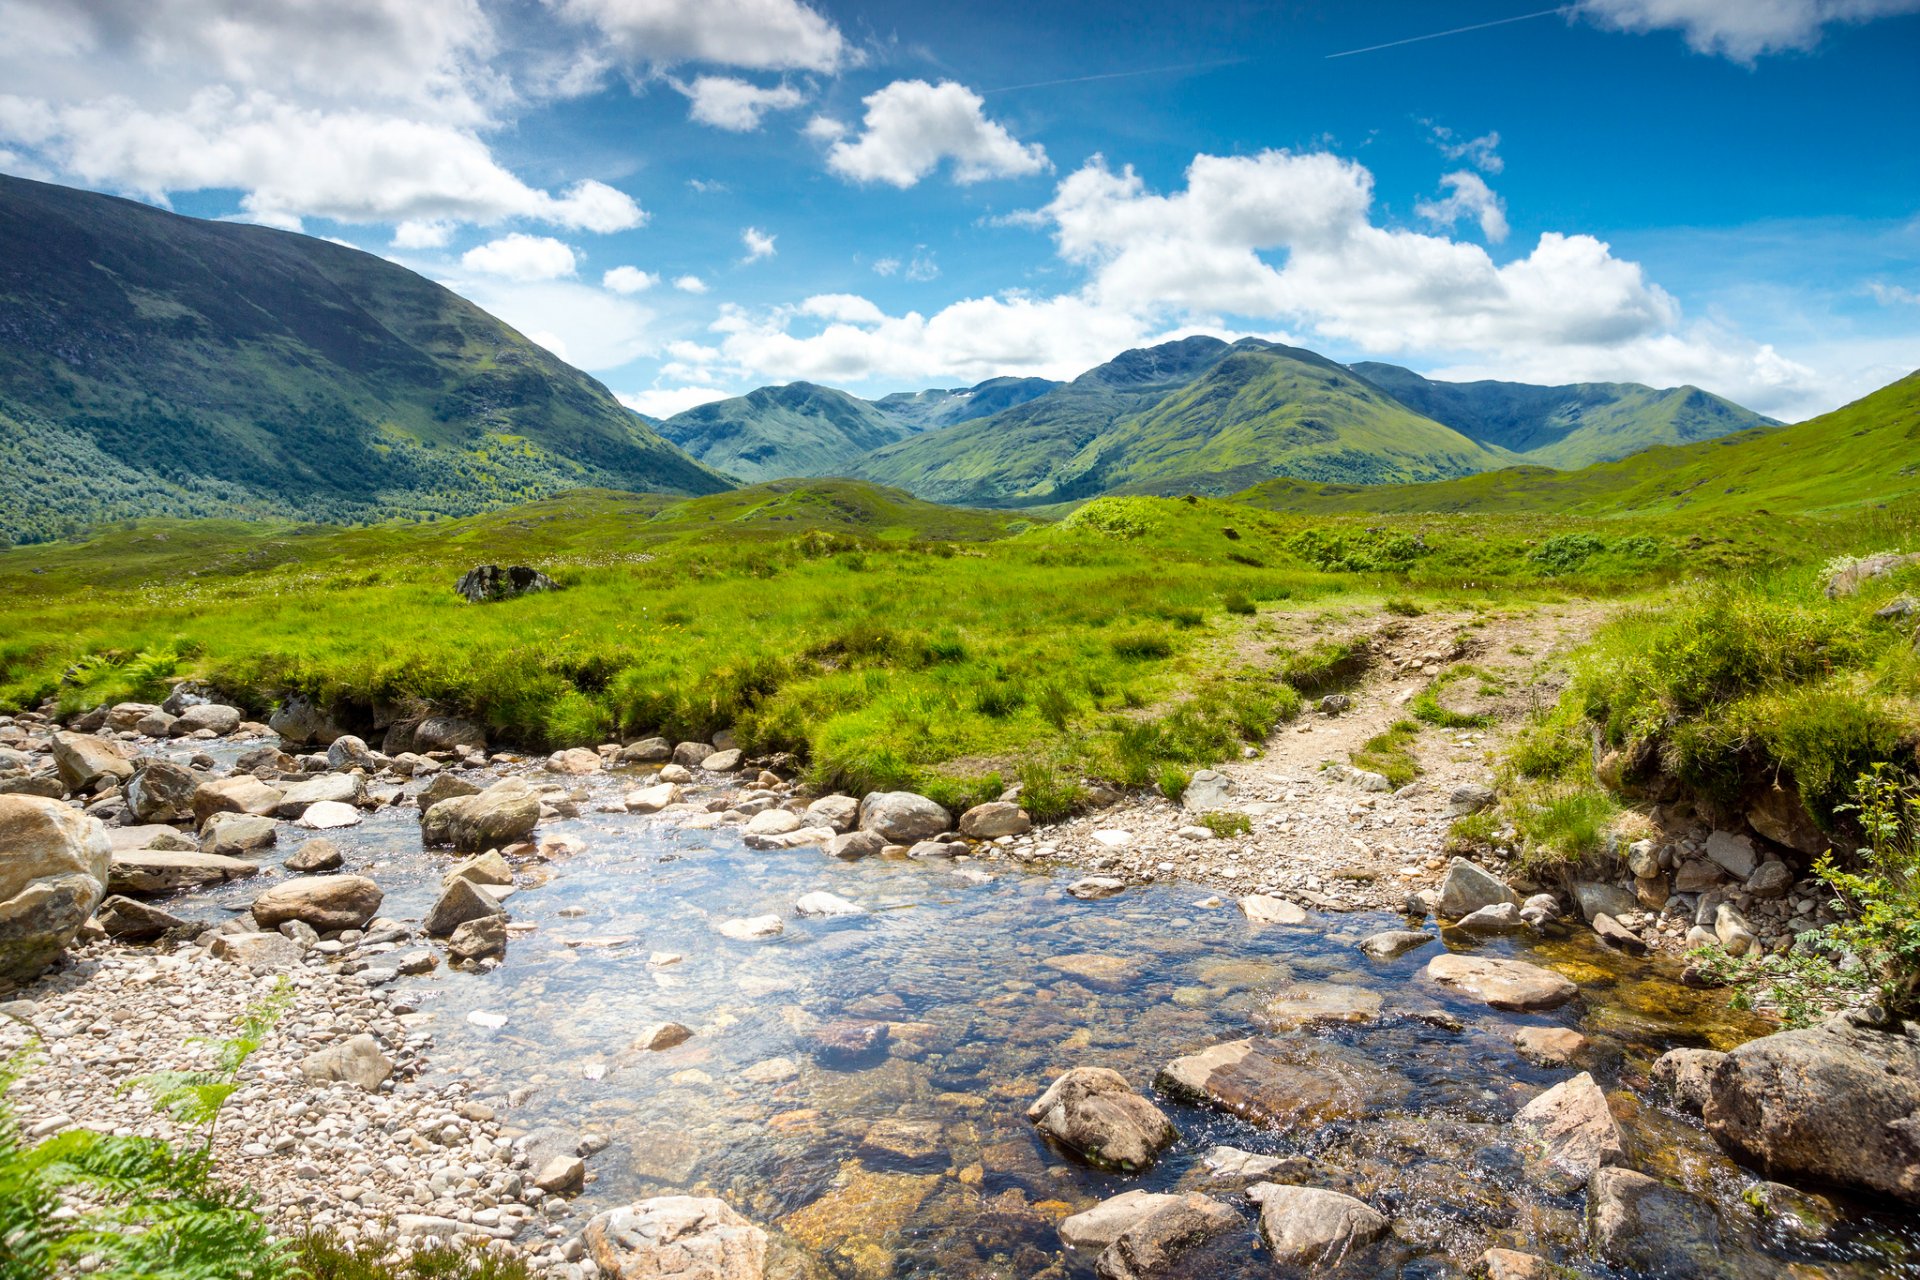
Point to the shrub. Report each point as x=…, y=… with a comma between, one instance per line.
x=1048, y=797
x=1882, y=890
x=1563, y=553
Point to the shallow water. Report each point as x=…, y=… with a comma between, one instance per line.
x=915, y=1159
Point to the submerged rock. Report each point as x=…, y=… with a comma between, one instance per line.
x=676, y=1238
x=1513, y=985
x=1096, y=1228
x=1095, y=1113
x=1282, y=1082
x=1390, y=944
x=1641, y=1224
x=1312, y=1227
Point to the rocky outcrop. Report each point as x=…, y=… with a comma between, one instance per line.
x=488, y=582
x=1838, y=1104
x=1312, y=1227
x=676, y=1238
x=53, y=873
x=327, y=903
x=901, y=817
x=1094, y=1113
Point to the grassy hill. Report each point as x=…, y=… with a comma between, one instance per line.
x=1862, y=454
x=1566, y=426
x=154, y=364
x=796, y=430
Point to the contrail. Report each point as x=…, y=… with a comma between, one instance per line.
x=1478, y=26
x=1119, y=75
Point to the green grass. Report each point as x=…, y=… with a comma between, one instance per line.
x=1428, y=709
x=1390, y=753
x=1227, y=825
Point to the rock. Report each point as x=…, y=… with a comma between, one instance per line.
x=356, y=1060
x=1576, y=1131
x=1549, y=1046
x=1091, y=888
x=485, y=583
x=903, y=817
x=856, y=844
x=1283, y=1082
x=821, y=903
x=140, y=871
x=1151, y=1247
x=477, y=939
x=483, y=868
x=1305, y=1004
x=128, y=920
x=1855, y=570
x=232, y=835
x=1260, y=908
x=459, y=902
x=1838, y=1103
x=1643, y=1226
x=1687, y=1074
x=301, y=723
x=994, y=819
x=444, y=786
x=240, y=793
x=837, y=812
x=1733, y=854
x=161, y=791
x=935, y=850
x=1390, y=944
x=647, y=751
x=328, y=903
x=1094, y=1229
x=1311, y=1227
x=153, y=836
x=348, y=752
x=1618, y=936
x=315, y=856
x=574, y=761
x=773, y=822
x=1781, y=816
x=847, y=1043
x=1513, y=985
x=562, y=1176
x=446, y=733
x=676, y=1238
x=209, y=716
x=123, y=716
x=1207, y=791
x=1335, y=704
x=53, y=873
x=504, y=813
x=1491, y=922
x=321, y=788
x=751, y=929
x=156, y=724
x=1095, y=1114
x=1731, y=928
x=1233, y=1163
x=1770, y=880
x=1651, y=892
x=1511, y=1264
x=659, y=1037
x=1113, y=838
x=330, y=815
x=1795, y=1214
x=1643, y=859
x=688, y=755
x=675, y=774
x=82, y=760
x=1467, y=887
x=722, y=761
x=1469, y=797
x=652, y=799
x=1595, y=899
x=259, y=952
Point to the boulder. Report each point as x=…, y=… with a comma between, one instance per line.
x=259, y=952
x=443, y=786
x=722, y=761
x=123, y=716
x=676, y=1238
x=1467, y=887
x=1093, y=888
x=1770, y=880
x=1733, y=854
x=856, y=844
x=1095, y=1114
x=156, y=724
x=147, y=871
x=773, y=822
x=1206, y=792
x=574, y=761
x=1513, y=985
x=504, y=813
x=327, y=903
x=337, y=788
x=301, y=723
x=349, y=752
x=1511, y=1264
x=483, y=868
x=688, y=755
x=1390, y=944
x=330, y=815
x=356, y=1060
x=660, y=1036
x=647, y=751
x=1575, y=1133
x=232, y=835
x=1838, y=1103
x=994, y=819
x=1151, y=1247
x=1312, y=1227
x=1645, y=1227
x=1687, y=1074
x=1094, y=1229
x=1847, y=578
x=446, y=733
x=477, y=939
x=901, y=817
x=161, y=791
x=129, y=920
x=314, y=856
x=1731, y=928
x=210, y=717
x=1596, y=899
x=53, y=873
x=1284, y=1082
x=237, y=793
x=1781, y=816
x=1307, y=1004
x=82, y=760
x=1491, y=922
x=485, y=583
x=1261, y=908
x=652, y=799
x=1549, y=1046
x=838, y=812
x=1469, y=797
x=459, y=902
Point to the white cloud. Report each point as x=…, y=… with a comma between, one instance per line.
x=1482, y=152
x=759, y=244
x=886, y=266
x=1741, y=29
x=552, y=342
x=770, y=35
x=850, y=308
x=1469, y=197
x=521, y=257
x=1888, y=295
x=629, y=280
x=736, y=105
x=911, y=126
x=664, y=402
x=430, y=233
x=597, y=330
x=690, y=284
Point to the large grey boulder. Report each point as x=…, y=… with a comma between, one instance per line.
x=1468, y=886
x=903, y=817
x=1838, y=1103
x=836, y=811
x=1733, y=854
x=53, y=873
x=446, y=733
x=1094, y=1113
x=161, y=791
x=1207, y=791
x=1574, y=1132
x=488, y=582
x=302, y=723
x=82, y=760
x=211, y=716
x=356, y=1060
x=1313, y=1227
x=328, y=903
x=238, y=793
x=1152, y=1247
x=676, y=1238
x=339, y=788
x=444, y=786
x=504, y=813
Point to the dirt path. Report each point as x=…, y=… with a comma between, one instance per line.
x=1319, y=834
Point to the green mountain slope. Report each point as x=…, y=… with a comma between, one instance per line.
x=154, y=364
x=1865, y=453
x=796, y=430
x=1196, y=415
x=935, y=408
x=1567, y=426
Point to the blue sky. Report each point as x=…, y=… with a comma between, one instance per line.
x=693, y=197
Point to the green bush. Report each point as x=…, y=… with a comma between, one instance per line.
x=1226, y=824
x=1560, y=824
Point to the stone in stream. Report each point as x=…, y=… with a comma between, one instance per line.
x=647, y=751
x=123, y=716
x=53, y=872
x=1232, y=1163
x=1838, y=1103
x=575, y=761
x=1511, y=1264
x=1642, y=1225
x=339, y=788
x=1596, y=899
x=1101, y=972
x=478, y=939
x=1512, y=985
x=848, y=1042
x=774, y=822
x=459, y=902
x=147, y=871
x=676, y=1238
x=562, y=1176
x=128, y=920
x=156, y=724
x=1312, y=1227
x=903, y=817
x=348, y=752
x=933, y=850
x=1618, y=936
x=1467, y=887
x=211, y=716
x=1390, y=944
x=483, y=868
x=1094, y=1229
x=1549, y=1046
x=751, y=928
x=233, y=834
x=722, y=761
x=161, y=791
x=836, y=811
x=81, y=760
x=1261, y=908
x=856, y=844
x=1687, y=1074
x=1575, y=1133
x=660, y=1036
x=1305, y=1004
x=357, y=1061
x=1094, y=1113
x=1152, y=1246
x=1090, y=888
x=1493, y=921
x=822, y=903
x=688, y=755
x=328, y=903
x=652, y=799
x=330, y=815
x=994, y=819
x=316, y=855
x=1283, y=1082
x=443, y=786
x=504, y=813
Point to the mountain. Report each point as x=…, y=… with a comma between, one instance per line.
x=1567, y=426
x=1198, y=414
x=1865, y=453
x=152, y=364
x=775, y=432
x=928, y=410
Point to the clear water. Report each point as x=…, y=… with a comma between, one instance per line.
x=917, y=1159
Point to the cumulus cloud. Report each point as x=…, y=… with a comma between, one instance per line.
x=911, y=126
x=423, y=233
x=690, y=284
x=521, y=257
x=758, y=244
x=1888, y=295
x=1744, y=29
x=1468, y=196
x=628, y=280
x=770, y=35
x=733, y=104
x=595, y=329
x=664, y=402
